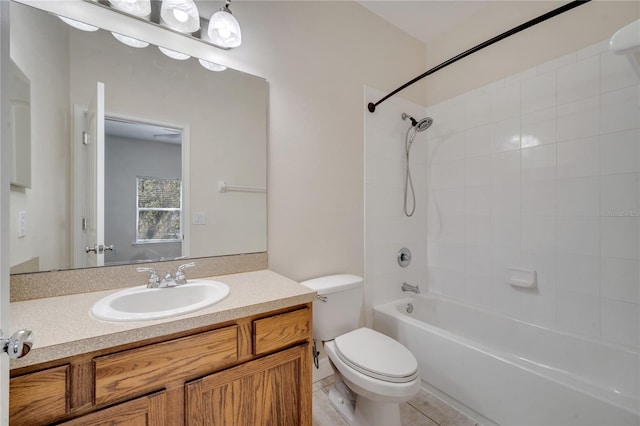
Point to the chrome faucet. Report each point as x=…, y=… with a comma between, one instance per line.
x=409, y=287
x=168, y=280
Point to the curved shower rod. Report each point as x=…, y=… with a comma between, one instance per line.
x=564, y=8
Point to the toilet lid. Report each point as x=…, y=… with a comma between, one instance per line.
x=376, y=355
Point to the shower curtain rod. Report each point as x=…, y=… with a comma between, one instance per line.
x=372, y=106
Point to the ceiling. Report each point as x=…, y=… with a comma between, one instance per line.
x=425, y=19
x=142, y=131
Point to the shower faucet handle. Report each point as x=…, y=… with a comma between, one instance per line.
x=404, y=257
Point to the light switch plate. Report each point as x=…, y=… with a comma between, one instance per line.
x=22, y=224
x=199, y=218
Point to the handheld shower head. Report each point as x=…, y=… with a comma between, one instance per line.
x=421, y=125
x=409, y=193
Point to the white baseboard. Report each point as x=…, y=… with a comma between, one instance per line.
x=323, y=371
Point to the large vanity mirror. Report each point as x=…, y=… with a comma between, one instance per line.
x=184, y=158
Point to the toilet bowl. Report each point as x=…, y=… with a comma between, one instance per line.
x=373, y=372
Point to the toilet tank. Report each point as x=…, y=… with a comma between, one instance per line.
x=339, y=313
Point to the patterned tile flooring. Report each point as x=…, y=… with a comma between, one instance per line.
x=423, y=410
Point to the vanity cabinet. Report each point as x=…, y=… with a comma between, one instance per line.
x=250, y=371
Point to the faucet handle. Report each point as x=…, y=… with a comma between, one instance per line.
x=180, y=276
x=186, y=265
x=154, y=280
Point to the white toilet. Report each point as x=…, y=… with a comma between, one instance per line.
x=373, y=372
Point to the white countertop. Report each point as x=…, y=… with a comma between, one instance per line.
x=63, y=327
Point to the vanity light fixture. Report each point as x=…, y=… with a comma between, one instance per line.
x=130, y=41
x=79, y=25
x=224, y=29
x=180, y=15
x=173, y=54
x=141, y=8
x=212, y=66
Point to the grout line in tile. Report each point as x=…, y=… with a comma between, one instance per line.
x=424, y=414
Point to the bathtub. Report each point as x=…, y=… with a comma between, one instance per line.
x=509, y=372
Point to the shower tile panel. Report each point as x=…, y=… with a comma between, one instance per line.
x=539, y=170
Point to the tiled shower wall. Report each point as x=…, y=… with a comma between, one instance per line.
x=387, y=229
x=538, y=171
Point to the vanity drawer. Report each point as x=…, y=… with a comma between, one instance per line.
x=38, y=398
x=279, y=331
x=142, y=370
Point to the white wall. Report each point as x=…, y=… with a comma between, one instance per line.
x=540, y=171
x=317, y=56
x=47, y=201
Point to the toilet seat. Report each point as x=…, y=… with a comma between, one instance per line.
x=376, y=355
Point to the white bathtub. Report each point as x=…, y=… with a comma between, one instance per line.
x=511, y=372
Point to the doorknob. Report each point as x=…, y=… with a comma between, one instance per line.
x=17, y=345
x=99, y=249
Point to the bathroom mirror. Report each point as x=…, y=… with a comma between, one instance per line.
x=214, y=123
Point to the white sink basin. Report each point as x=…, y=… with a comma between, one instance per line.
x=142, y=303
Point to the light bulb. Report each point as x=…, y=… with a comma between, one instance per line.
x=130, y=41
x=78, y=25
x=180, y=15
x=224, y=29
x=140, y=8
x=224, y=32
x=212, y=66
x=173, y=54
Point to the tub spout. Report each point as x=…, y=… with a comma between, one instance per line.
x=409, y=287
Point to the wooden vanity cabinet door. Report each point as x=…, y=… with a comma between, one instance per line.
x=38, y=398
x=274, y=390
x=146, y=411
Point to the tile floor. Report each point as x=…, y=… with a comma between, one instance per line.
x=423, y=410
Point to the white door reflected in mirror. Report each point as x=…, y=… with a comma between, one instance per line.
x=93, y=143
x=142, y=192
